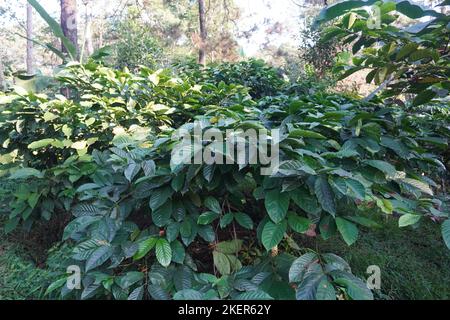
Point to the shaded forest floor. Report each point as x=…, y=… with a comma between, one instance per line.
x=414, y=263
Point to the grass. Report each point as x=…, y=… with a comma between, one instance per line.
x=21, y=277
x=414, y=263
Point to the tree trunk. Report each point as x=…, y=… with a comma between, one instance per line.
x=69, y=22
x=2, y=75
x=88, y=46
x=203, y=33
x=30, y=56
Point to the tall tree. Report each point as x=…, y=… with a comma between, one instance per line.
x=2, y=74
x=69, y=22
x=87, y=45
x=203, y=32
x=30, y=56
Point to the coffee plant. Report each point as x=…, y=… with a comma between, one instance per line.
x=144, y=226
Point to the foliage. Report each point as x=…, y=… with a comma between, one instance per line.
x=146, y=227
x=414, y=262
x=261, y=79
x=406, y=60
x=135, y=45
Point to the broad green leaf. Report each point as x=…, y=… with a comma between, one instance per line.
x=212, y=204
x=161, y=216
x=163, y=252
x=244, y=220
x=272, y=234
x=254, y=295
x=305, y=201
x=98, y=257
x=24, y=173
x=383, y=166
x=297, y=223
x=188, y=294
x=299, y=133
x=299, y=266
x=408, y=219
x=445, y=228
x=144, y=247
x=160, y=196
x=207, y=217
x=55, y=28
x=348, y=230
x=221, y=262
x=422, y=186
x=229, y=247
x=40, y=144
x=325, y=291
x=325, y=195
x=277, y=205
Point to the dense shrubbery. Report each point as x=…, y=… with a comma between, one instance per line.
x=146, y=227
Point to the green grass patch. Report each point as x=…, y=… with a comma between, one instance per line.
x=414, y=263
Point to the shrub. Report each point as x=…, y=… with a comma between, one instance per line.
x=146, y=227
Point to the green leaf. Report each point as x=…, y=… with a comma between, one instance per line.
x=272, y=234
x=408, y=219
x=129, y=279
x=445, y=228
x=325, y=291
x=363, y=221
x=299, y=266
x=163, y=252
x=383, y=166
x=160, y=196
x=188, y=294
x=144, y=247
x=221, y=262
x=406, y=50
x=98, y=257
x=357, y=188
x=325, y=195
x=338, y=9
x=254, y=295
x=77, y=225
x=418, y=185
x=229, y=247
x=55, y=285
x=305, y=201
x=40, y=144
x=348, y=230
x=137, y=293
x=297, y=223
x=161, y=216
x=207, y=217
x=226, y=219
x=55, y=28
x=212, y=204
x=178, y=252
x=277, y=205
x=299, y=133
x=424, y=97
x=356, y=289
x=24, y=173
x=244, y=220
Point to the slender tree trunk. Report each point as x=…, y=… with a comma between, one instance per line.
x=2, y=75
x=30, y=56
x=88, y=46
x=69, y=22
x=203, y=33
